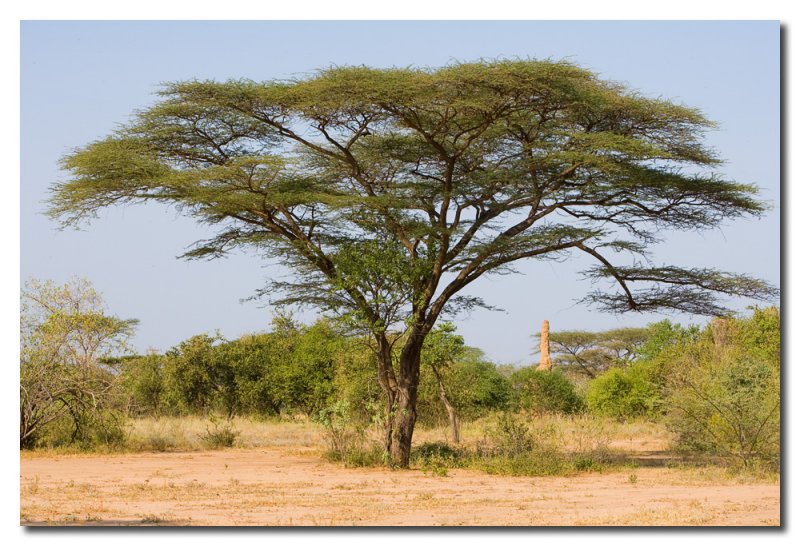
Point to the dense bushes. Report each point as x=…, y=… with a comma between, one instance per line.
x=474, y=386
x=544, y=392
x=623, y=394
x=290, y=370
x=717, y=388
x=724, y=390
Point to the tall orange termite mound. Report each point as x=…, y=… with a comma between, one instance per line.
x=545, y=364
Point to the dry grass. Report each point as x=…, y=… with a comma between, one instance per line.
x=187, y=434
x=275, y=475
x=577, y=433
x=631, y=444
x=269, y=486
x=305, y=436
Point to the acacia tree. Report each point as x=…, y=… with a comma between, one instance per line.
x=389, y=191
x=591, y=353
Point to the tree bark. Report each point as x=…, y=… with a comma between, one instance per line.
x=405, y=414
x=388, y=383
x=451, y=411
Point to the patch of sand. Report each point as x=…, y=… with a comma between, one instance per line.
x=269, y=487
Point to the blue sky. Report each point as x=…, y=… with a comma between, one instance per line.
x=80, y=79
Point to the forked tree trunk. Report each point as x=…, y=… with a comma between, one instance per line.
x=388, y=383
x=451, y=411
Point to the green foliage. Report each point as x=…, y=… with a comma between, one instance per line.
x=663, y=335
x=301, y=377
x=219, y=434
x=342, y=434
x=197, y=380
x=437, y=458
x=479, y=387
x=591, y=353
x=724, y=390
x=545, y=392
x=623, y=394
x=142, y=384
x=346, y=437
x=67, y=392
x=383, y=190
x=513, y=436
x=474, y=386
x=432, y=453
x=518, y=448
x=373, y=455
x=289, y=370
x=374, y=155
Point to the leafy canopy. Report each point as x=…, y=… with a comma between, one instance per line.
x=591, y=353
x=388, y=191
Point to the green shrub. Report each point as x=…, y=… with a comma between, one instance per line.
x=359, y=456
x=87, y=431
x=142, y=384
x=343, y=435
x=474, y=386
x=219, y=435
x=545, y=392
x=623, y=394
x=724, y=391
x=516, y=448
x=437, y=457
x=527, y=464
x=511, y=435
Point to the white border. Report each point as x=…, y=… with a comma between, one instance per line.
x=340, y=10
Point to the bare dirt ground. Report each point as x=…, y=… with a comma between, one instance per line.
x=268, y=486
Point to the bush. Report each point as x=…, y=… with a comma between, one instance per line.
x=219, y=435
x=344, y=437
x=724, y=391
x=474, y=387
x=518, y=449
x=437, y=457
x=85, y=431
x=545, y=392
x=361, y=456
x=142, y=384
x=623, y=394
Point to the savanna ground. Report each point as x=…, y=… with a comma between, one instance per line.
x=276, y=475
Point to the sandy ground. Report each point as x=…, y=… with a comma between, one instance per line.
x=269, y=487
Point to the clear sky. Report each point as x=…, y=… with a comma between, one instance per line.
x=80, y=79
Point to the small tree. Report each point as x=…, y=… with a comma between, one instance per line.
x=442, y=348
x=142, y=383
x=65, y=334
x=200, y=376
x=388, y=192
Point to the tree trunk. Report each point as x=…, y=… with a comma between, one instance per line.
x=451, y=411
x=388, y=383
x=405, y=414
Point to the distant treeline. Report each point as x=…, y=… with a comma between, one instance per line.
x=717, y=388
